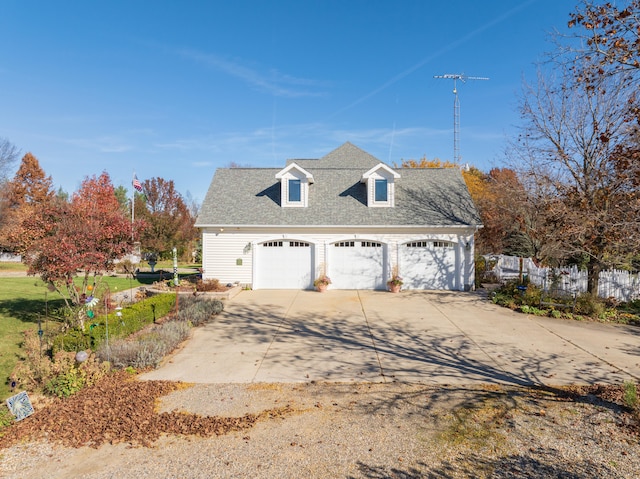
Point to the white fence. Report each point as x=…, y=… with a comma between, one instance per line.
x=622, y=285
x=508, y=267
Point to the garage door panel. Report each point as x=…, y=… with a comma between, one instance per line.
x=357, y=265
x=428, y=265
x=285, y=264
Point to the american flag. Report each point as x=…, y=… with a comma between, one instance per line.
x=136, y=184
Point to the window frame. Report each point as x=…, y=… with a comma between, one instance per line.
x=297, y=183
x=380, y=186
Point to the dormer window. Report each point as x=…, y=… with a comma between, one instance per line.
x=294, y=191
x=294, y=186
x=380, y=181
x=381, y=190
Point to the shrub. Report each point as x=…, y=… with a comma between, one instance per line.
x=72, y=340
x=65, y=384
x=134, y=317
x=533, y=310
x=149, y=354
x=198, y=310
x=210, y=285
x=35, y=369
x=532, y=296
x=511, y=296
x=630, y=395
x=147, y=350
x=480, y=270
x=589, y=305
x=120, y=354
x=60, y=375
x=6, y=418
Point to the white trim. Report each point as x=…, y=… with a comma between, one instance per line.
x=338, y=227
x=294, y=172
x=379, y=166
x=380, y=172
x=293, y=166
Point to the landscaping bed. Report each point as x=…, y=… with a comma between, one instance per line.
x=530, y=299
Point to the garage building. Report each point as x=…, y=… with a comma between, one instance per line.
x=347, y=215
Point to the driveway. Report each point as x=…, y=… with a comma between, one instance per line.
x=426, y=337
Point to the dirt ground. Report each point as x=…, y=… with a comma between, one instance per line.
x=125, y=428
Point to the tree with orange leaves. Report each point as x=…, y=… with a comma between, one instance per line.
x=84, y=235
x=29, y=189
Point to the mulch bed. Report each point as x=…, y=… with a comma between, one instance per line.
x=121, y=409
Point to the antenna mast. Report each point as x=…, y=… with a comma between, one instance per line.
x=456, y=109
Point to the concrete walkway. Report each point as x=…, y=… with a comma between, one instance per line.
x=427, y=337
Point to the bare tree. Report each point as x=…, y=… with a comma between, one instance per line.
x=8, y=155
x=192, y=204
x=569, y=150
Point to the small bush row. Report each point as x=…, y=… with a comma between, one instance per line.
x=198, y=310
x=134, y=317
x=59, y=374
x=147, y=350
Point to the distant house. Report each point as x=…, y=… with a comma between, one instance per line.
x=6, y=257
x=346, y=214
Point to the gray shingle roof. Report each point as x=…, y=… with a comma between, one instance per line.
x=251, y=196
x=346, y=156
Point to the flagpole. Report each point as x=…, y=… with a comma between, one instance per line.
x=133, y=206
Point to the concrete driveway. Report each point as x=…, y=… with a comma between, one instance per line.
x=427, y=337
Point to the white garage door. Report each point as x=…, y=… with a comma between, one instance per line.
x=428, y=264
x=357, y=265
x=285, y=264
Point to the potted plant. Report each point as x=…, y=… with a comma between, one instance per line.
x=322, y=282
x=395, y=283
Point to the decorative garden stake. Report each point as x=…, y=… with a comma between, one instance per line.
x=40, y=333
x=106, y=299
x=20, y=405
x=175, y=267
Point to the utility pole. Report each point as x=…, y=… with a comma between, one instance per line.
x=456, y=109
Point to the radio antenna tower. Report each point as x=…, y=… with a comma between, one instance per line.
x=456, y=109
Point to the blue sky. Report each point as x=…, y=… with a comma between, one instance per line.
x=177, y=89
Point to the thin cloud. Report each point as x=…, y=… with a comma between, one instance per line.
x=310, y=140
x=102, y=144
x=433, y=56
x=274, y=82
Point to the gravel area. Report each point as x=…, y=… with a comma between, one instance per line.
x=364, y=430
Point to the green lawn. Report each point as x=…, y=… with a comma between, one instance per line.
x=23, y=301
x=6, y=266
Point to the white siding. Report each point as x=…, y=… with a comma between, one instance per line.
x=222, y=249
x=220, y=252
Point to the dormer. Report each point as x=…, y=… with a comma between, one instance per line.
x=294, y=186
x=380, y=181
